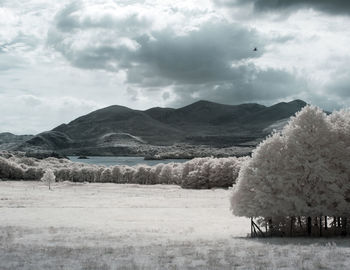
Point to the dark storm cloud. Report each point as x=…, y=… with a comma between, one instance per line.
x=204, y=54
x=200, y=56
x=327, y=6
x=209, y=61
x=251, y=85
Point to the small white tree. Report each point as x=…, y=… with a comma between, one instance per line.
x=48, y=177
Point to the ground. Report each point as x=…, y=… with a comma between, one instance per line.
x=110, y=226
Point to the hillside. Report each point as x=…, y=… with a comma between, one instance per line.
x=9, y=140
x=121, y=130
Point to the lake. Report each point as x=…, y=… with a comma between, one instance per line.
x=130, y=161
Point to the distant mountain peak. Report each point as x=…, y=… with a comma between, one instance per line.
x=6, y=134
x=202, y=101
x=298, y=101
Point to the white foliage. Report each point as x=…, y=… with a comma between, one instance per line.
x=166, y=174
x=106, y=176
x=48, y=177
x=302, y=171
x=210, y=172
x=196, y=173
x=117, y=175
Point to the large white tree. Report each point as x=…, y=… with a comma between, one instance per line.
x=302, y=171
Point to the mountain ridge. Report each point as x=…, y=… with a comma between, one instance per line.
x=117, y=128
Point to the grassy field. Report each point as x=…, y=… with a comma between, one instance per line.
x=109, y=226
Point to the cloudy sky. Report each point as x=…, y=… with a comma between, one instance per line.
x=63, y=59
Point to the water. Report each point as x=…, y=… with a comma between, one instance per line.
x=130, y=161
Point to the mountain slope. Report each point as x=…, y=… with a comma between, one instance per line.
x=117, y=119
x=9, y=140
x=202, y=122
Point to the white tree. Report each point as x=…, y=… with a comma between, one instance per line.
x=197, y=173
x=166, y=174
x=48, y=177
x=210, y=172
x=156, y=170
x=223, y=172
x=106, y=176
x=116, y=174
x=302, y=171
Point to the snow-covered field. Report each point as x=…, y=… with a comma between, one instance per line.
x=111, y=226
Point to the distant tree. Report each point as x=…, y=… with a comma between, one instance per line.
x=48, y=177
x=87, y=174
x=106, y=176
x=116, y=174
x=166, y=174
x=10, y=169
x=156, y=170
x=223, y=172
x=128, y=174
x=196, y=173
x=98, y=174
x=62, y=174
x=210, y=172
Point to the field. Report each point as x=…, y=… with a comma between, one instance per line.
x=111, y=226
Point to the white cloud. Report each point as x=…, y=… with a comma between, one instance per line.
x=68, y=57
x=24, y=113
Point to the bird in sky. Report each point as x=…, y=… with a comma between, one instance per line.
x=255, y=49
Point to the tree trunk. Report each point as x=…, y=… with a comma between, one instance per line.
x=309, y=226
x=320, y=225
x=325, y=223
x=343, y=227
x=251, y=227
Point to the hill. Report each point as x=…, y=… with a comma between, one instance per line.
x=9, y=141
x=121, y=130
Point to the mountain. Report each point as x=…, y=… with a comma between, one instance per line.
x=117, y=129
x=9, y=141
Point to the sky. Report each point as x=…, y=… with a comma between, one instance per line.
x=63, y=59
